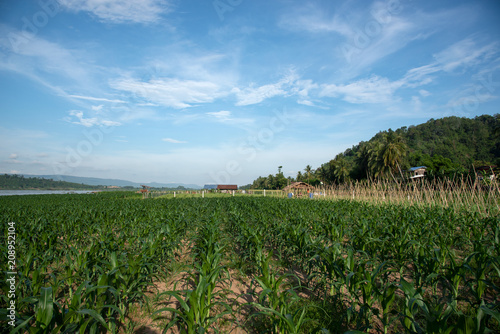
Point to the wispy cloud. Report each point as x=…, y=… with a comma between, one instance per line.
x=364, y=35
x=459, y=56
x=372, y=90
x=465, y=53
x=91, y=98
x=171, y=92
x=173, y=141
x=306, y=103
x=121, y=11
x=89, y=122
x=36, y=57
x=312, y=19
x=256, y=94
x=225, y=116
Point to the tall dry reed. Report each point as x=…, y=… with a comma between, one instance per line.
x=459, y=194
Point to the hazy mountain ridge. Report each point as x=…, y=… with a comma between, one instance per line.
x=94, y=181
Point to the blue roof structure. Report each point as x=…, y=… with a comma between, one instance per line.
x=210, y=186
x=415, y=168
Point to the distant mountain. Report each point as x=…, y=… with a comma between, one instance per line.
x=94, y=181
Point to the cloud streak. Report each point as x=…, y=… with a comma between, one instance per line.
x=89, y=122
x=171, y=92
x=121, y=11
x=173, y=141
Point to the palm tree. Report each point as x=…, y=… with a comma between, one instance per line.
x=321, y=173
x=308, y=170
x=376, y=166
x=393, y=150
x=341, y=168
x=363, y=157
x=385, y=155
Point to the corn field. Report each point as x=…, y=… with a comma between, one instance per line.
x=117, y=263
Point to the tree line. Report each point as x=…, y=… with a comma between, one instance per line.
x=448, y=147
x=16, y=182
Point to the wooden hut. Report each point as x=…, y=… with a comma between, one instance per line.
x=417, y=172
x=227, y=187
x=299, y=189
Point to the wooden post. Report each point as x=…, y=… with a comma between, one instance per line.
x=203, y=194
x=264, y=192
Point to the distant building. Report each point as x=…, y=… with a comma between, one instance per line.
x=417, y=172
x=227, y=187
x=210, y=186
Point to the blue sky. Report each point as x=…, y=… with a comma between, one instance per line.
x=225, y=91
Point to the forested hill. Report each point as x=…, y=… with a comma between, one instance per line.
x=464, y=141
x=447, y=146
x=15, y=182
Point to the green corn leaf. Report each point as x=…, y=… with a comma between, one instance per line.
x=45, y=307
x=94, y=315
x=21, y=327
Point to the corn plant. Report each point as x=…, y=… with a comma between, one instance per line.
x=201, y=307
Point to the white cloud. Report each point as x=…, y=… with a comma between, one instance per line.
x=13, y=156
x=121, y=11
x=89, y=122
x=253, y=95
x=38, y=58
x=381, y=90
x=365, y=34
x=424, y=93
x=91, y=98
x=306, y=103
x=464, y=53
x=223, y=114
x=312, y=19
x=372, y=90
x=173, y=141
x=171, y=92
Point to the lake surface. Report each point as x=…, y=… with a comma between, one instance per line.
x=42, y=192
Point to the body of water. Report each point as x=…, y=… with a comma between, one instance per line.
x=42, y=192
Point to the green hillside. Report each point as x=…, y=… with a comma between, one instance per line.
x=15, y=182
x=448, y=147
